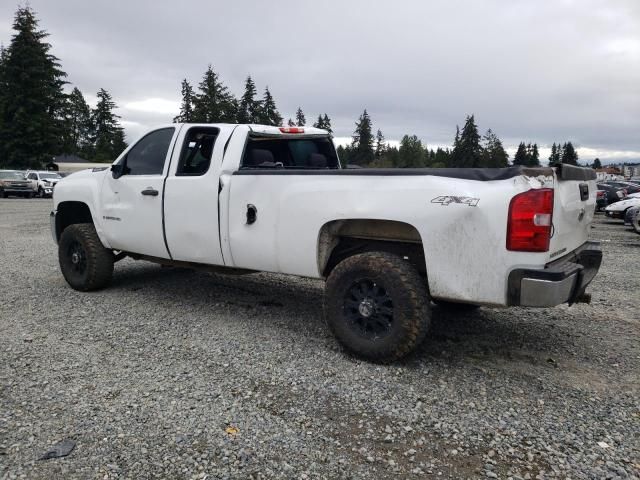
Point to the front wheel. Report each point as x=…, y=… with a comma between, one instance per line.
x=377, y=306
x=41, y=192
x=85, y=264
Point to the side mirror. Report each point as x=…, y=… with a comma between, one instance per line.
x=117, y=170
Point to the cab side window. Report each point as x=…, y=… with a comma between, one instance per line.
x=148, y=155
x=195, y=157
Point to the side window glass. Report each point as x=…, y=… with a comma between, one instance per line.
x=148, y=155
x=33, y=176
x=195, y=157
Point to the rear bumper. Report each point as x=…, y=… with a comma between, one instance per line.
x=561, y=281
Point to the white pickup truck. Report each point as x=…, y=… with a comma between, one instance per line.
x=388, y=242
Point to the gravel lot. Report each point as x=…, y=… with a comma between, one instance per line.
x=178, y=374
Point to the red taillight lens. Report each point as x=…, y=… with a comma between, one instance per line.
x=600, y=194
x=529, y=223
x=292, y=130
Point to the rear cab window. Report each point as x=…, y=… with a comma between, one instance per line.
x=290, y=153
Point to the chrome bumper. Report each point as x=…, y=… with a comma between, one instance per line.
x=52, y=224
x=561, y=281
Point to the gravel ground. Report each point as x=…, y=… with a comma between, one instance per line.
x=177, y=374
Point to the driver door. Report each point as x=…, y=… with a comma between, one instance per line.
x=132, y=202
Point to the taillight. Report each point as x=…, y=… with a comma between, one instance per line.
x=292, y=130
x=529, y=223
x=600, y=194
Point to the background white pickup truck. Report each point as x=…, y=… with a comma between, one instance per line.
x=246, y=198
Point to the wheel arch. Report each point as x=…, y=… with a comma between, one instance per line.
x=339, y=239
x=70, y=212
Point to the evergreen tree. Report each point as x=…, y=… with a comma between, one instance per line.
x=214, y=103
x=77, y=125
x=596, y=164
x=186, y=114
x=554, y=158
x=269, y=114
x=442, y=158
x=362, y=142
x=108, y=137
x=291, y=123
x=31, y=96
x=326, y=122
x=381, y=146
x=300, y=120
x=569, y=154
x=411, y=153
x=319, y=123
x=467, y=151
x=249, y=107
x=521, y=157
x=534, y=156
x=494, y=154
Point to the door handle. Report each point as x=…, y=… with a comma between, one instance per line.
x=252, y=214
x=150, y=191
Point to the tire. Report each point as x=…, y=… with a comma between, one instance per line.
x=635, y=223
x=377, y=306
x=4, y=194
x=85, y=264
x=456, y=307
x=40, y=192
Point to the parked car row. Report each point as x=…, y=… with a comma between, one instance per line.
x=28, y=184
x=626, y=201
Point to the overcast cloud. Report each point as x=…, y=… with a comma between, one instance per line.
x=536, y=70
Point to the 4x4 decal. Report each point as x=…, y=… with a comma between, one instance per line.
x=447, y=199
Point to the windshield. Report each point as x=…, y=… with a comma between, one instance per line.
x=11, y=176
x=50, y=175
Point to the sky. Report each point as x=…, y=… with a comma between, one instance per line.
x=539, y=71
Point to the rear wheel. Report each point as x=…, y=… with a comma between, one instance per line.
x=85, y=264
x=377, y=306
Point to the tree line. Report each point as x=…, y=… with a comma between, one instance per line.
x=38, y=120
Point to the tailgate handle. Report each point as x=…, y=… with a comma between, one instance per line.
x=584, y=191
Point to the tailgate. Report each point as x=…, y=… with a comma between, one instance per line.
x=573, y=209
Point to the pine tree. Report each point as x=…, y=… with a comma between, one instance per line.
x=327, y=123
x=77, y=125
x=441, y=159
x=362, y=141
x=556, y=153
x=186, y=114
x=411, y=153
x=214, y=103
x=108, y=137
x=569, y=154
x=319, y=123
x=467, y=151
x=269, y=114
x=300, y=120
x=597, y=164
x=381, y=146
x=291, y=123
x=534, y=156
x=494, y=154
x=31, y=96
x=521, y=157
x=249, y=107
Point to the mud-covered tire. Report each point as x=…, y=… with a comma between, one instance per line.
x=395, y=299
x=456, y=307
x=85, y=264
